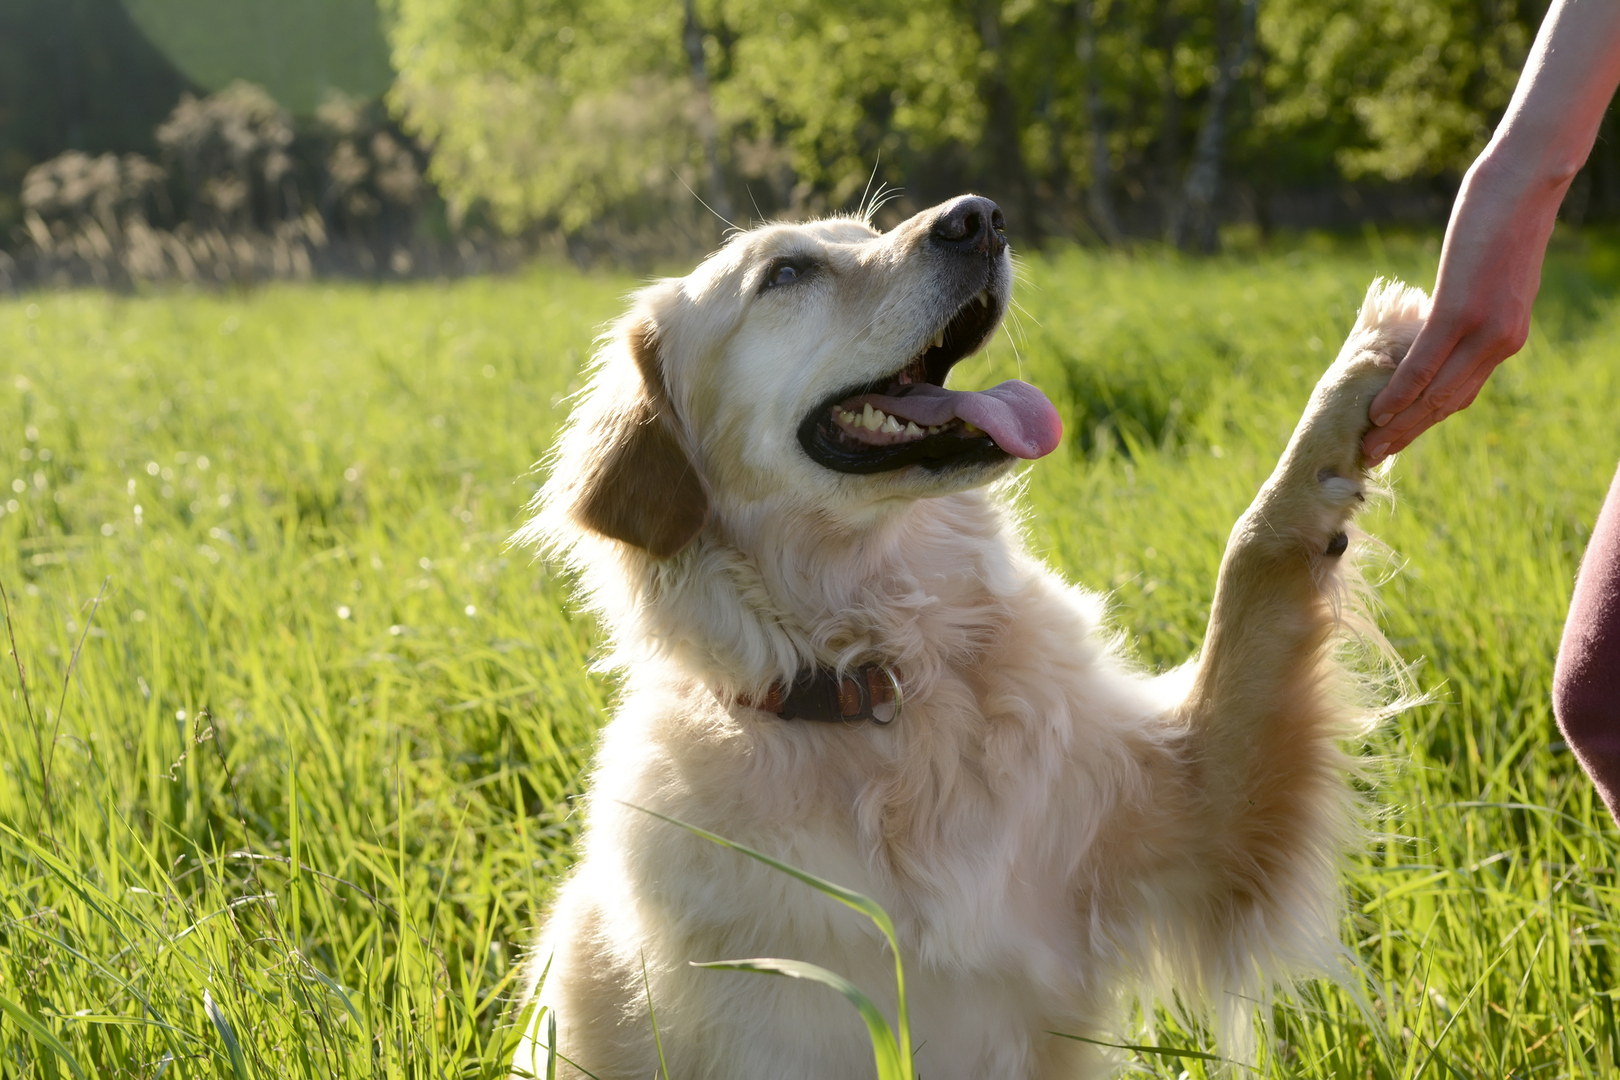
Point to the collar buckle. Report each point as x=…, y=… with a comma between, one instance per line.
x=871, y=692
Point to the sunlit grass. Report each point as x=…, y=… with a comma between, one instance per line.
x=308, y=787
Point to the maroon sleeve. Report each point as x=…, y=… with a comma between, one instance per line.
x=1586, y=682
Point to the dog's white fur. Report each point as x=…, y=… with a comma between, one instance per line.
x=1052, y=830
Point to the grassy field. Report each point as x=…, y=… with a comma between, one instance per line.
x=289, y=777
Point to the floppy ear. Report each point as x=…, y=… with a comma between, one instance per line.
x=640, y=484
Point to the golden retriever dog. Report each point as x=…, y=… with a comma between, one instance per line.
x=836, y=649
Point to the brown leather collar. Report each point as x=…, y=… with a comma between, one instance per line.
x=870, y=692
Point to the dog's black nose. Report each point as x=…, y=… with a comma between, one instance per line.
x=970, y=224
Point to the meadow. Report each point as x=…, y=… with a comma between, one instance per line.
x=293, y=734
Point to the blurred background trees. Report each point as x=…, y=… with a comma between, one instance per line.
x=1097, y=119
x=608, y=125
x=205, y=141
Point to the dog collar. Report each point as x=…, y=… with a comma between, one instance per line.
x=871, y=692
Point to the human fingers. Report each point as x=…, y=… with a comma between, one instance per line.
x=1472, y=394
x=1399, y=433
x=1388, y=443
x=1430, y=351
x=1450, y=392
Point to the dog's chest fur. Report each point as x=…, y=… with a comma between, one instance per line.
x=960, y=818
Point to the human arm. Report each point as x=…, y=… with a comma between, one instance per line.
x=1490, y=265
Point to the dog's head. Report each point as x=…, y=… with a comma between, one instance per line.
x=800, y=369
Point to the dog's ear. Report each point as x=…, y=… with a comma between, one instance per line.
x=640, y=484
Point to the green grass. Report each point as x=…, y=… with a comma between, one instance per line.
x=296, y=808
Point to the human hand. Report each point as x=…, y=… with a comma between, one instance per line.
x=1490, y=267
x=1490, y=271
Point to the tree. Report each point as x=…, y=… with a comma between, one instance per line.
x=1392, y=89
x=1097, y=117
x=556, y=111
x=1193, y=220
x=1099, y=192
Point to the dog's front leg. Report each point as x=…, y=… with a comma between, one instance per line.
x=1268, y=809
x=1266, y=672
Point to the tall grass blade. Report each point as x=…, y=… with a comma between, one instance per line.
x=551, y=1048
x=227, y=1035
x=891, y=1063
x=849, y=897
x=1155, y=1051
x=42, y=1035
x=652, y=1015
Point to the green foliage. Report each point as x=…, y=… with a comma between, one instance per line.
x=602, y=120
x=299, y=793
x=565, y=114
x=301, y=51
x=839, y=85
x=546, y=110
x=1393, y=89
x=559, y=113
x=296, y=771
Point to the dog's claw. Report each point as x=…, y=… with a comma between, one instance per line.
x=1338, y=545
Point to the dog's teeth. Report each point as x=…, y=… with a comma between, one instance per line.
x=891, y=426
x=934, y=430
x=983, y=297
x=912, y=429
x=867, y=420
x=939, y=339
x=846, y=417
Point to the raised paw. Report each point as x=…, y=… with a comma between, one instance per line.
x=1321, y=480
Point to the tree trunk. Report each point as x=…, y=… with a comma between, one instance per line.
x=1002, y=138
x=1194, y=221
x=1169, y=171
x=1099, y=193
x=714, y=181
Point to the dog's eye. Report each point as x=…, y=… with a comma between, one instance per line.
x=785, y=272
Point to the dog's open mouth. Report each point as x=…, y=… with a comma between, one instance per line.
x=909, y=418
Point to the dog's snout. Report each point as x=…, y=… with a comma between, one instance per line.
x=970, y=224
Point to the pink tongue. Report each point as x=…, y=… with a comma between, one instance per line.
x=1015, y=414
